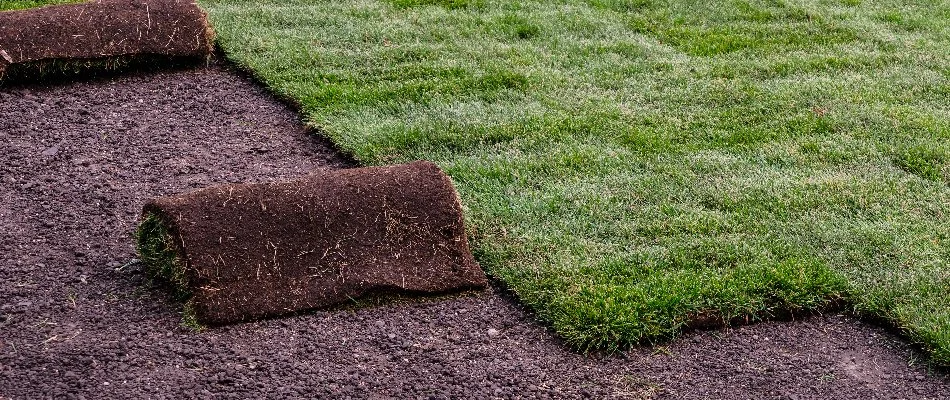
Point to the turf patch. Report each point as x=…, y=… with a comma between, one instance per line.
x=617, y=155
x=9, y=5
x=242, y=252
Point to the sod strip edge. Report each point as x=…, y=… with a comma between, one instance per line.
x=248, y=251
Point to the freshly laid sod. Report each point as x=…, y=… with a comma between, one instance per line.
x=7, y=5
x=631, y=168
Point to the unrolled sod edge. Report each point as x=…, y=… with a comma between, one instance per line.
x=161, y=242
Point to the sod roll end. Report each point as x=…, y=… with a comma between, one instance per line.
x=247, y=251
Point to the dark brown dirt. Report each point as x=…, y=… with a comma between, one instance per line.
x=249, y=251
x=79, y=160
x=90, y=34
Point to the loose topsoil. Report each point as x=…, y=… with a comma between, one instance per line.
x=78, y=161
x=246, y=251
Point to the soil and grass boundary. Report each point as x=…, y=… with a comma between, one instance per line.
x=629, y=176
x=483, y=342
x=774, y=164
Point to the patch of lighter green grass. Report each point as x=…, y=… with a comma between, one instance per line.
x=631, y=166
x=7, y=5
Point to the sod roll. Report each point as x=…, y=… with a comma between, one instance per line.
x=246, y=251
x=100, y=33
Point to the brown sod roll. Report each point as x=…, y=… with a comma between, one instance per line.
x=246, y=251
x=103, y=33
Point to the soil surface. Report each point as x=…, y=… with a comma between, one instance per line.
x=248, y=251
x=78, y=161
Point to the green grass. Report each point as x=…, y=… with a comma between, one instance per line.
x=159, y=256
x=162, y=263
x=7, y=5
x=630, y=166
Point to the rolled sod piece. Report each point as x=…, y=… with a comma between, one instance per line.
x=246, y=251
x=100, y=33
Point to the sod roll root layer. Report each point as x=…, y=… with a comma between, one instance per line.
x=102, y=33
x=247, y=251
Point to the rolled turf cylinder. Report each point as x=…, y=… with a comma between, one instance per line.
x=102, y=33
x=246, y=251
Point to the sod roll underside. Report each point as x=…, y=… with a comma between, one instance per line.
x=102, y=33
x=242, y=252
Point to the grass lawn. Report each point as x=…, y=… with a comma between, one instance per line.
x=630, y=167
x=6, y=5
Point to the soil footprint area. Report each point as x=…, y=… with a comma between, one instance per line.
x=77, y=163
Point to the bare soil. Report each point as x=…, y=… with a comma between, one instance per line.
x=77, y=162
